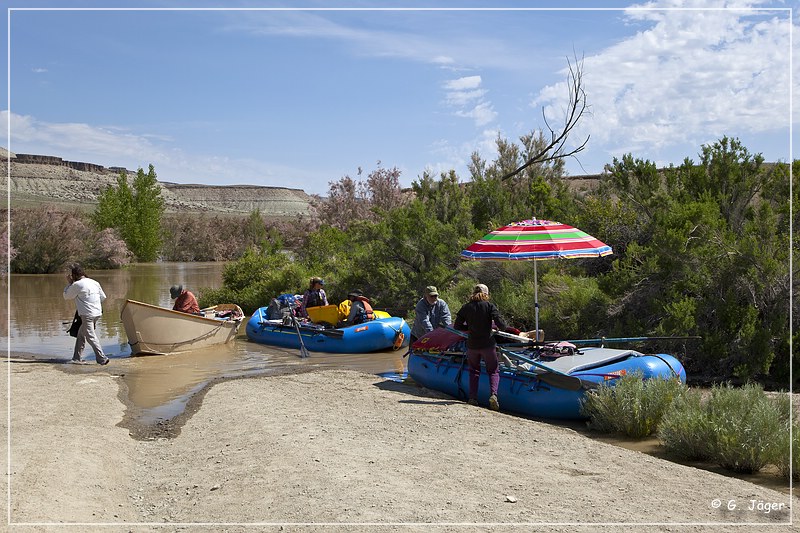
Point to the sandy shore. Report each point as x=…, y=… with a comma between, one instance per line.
x=338, y=450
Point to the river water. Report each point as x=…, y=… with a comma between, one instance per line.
x=158, y=386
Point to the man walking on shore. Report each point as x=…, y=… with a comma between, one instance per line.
x=88, y=296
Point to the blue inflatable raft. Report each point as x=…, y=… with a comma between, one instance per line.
x=548, y=388
x=372, y=336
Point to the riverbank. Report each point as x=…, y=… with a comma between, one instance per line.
x=338, y=450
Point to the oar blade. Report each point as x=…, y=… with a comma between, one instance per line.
x=303, y=350
x=561, y=381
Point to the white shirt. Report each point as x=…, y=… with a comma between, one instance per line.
x=88, y=295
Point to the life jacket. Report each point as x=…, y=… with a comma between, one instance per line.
x=314, y=299
x=365, y=315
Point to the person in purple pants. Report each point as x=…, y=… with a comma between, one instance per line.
x=476, y=317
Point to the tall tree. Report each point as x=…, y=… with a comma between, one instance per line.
x=136, y=211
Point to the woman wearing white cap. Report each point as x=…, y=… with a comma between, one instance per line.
x=476, y=317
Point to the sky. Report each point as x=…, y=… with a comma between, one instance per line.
x=267, y=93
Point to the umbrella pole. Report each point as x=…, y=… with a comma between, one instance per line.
x=536, y=298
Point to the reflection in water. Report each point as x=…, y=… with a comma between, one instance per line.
x=158, y=386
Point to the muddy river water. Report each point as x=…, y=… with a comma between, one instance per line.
x=158, y=386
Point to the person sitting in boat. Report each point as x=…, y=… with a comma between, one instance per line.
x=431, y=312
x=344, y=310
x=185, y=301
x=476, y=317
x=314, y=296
x=360, y=309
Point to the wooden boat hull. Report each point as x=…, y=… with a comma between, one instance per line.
x=375, y=335
x=154, y=330
x=525, y=392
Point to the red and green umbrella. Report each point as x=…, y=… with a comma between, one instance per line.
x=535, y=240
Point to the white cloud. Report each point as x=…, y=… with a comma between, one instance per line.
x=38, y=70
x=458, y=157
x=111, y=146
x=466, y=95
x=482, y=114
x=463, y=84
x=687, y=76
x=451, y=50
x=462, y=98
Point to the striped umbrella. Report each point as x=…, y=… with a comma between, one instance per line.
x=535, y=240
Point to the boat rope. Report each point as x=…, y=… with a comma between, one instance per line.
x=461, y=394
x=668, y=365
x=209, y=333
x=399, y=337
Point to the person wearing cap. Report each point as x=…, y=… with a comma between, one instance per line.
x=430, y=313
x=360, y=309
x=185, y=301
x=314, y=296
x=476, y=317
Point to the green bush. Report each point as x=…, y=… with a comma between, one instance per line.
x=743, y=426
x=632, y=406
x=741, y=429
x=684, y=429
x=256, y=278
x=787, y=463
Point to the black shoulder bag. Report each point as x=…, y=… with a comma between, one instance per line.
x=76, y=324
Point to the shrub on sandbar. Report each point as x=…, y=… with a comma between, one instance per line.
x=684, y=429
x=738, y=428
x=632, y=406
x=788, y=462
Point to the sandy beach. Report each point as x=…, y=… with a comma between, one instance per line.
x=337, y=450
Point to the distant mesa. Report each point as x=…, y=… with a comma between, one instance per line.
x=38, y=179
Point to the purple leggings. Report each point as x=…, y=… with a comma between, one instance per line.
x=489, y=356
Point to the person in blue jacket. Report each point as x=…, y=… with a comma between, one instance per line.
x=430, y=313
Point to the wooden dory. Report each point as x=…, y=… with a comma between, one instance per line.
x=154, y=330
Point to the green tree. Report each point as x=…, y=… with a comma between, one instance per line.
x=136, y=211
x=704, y=250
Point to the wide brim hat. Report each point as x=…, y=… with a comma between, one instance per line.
x=175, y=291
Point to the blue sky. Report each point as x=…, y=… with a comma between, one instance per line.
x=300, y=98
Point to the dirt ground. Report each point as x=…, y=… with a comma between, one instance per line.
x=341, y=451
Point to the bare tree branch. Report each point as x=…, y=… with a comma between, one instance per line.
x=576, y=108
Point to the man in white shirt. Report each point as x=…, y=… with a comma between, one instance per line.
x=88, y=296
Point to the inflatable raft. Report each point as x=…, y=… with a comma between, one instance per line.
x=372, y=336
x=551, y=387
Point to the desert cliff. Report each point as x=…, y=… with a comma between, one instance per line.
x=37, y=179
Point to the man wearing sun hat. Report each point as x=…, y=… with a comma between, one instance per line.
x=431, y=312
x=185, y=301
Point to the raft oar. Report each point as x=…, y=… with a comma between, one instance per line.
x=303, y=350
x=332, y=333
x=519, y=338
x=603, y=340
x=551, y=376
